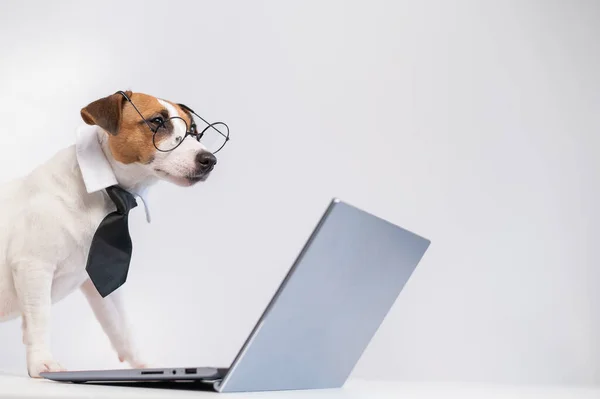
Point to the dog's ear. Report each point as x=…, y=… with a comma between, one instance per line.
x=105, y=112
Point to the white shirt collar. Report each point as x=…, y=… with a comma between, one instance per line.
x=95, y=168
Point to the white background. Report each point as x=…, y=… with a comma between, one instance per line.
x=474, y=123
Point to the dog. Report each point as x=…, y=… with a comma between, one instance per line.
x=48, y=217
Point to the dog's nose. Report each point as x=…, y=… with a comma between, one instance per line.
x=206, y=160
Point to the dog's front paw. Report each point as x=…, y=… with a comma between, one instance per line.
x=41, y=363
x=133, y=359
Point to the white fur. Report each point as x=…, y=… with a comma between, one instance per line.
x=47, y=221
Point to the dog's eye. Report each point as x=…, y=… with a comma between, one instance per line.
x=158, y=120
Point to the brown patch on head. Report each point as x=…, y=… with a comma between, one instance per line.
x=130, y=138
x=134, y=141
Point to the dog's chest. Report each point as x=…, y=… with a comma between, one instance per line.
x=70, y=272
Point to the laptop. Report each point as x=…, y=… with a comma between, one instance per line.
x=320, y=320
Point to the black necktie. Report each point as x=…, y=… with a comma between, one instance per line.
x=110, y=252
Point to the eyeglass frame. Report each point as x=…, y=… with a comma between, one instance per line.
x=188, y=132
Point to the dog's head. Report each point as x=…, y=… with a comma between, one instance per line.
x=139, y=129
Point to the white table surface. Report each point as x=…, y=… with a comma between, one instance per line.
x=12, y=386
x=23, y=387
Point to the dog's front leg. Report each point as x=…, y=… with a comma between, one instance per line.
x=111, y=315
x=33, y=284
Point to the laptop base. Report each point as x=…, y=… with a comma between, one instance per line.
x=208, y=375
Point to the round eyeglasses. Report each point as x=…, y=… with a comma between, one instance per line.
x=166, y=137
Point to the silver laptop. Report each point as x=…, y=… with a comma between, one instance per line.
x=320, y=320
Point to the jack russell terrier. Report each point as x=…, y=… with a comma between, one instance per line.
x=48, y=218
